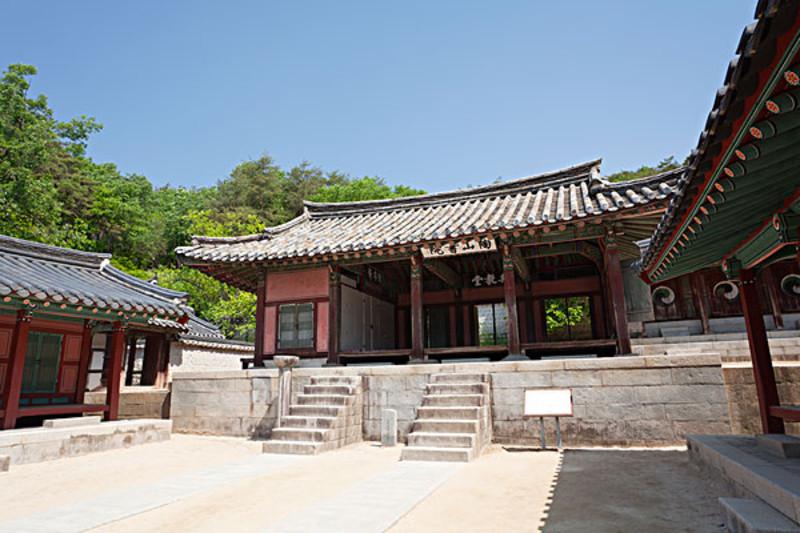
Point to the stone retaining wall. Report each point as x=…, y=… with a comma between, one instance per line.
x=137, y=402
x=235, y=403
x=643, y=400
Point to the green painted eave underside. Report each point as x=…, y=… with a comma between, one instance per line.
x=757, y=197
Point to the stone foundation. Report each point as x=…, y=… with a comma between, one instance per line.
x=34, y=445
x=640, y=400
x=137, y=402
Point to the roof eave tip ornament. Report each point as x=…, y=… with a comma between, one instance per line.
x=104, y=263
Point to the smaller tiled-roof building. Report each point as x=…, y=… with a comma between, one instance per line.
x=70, y=321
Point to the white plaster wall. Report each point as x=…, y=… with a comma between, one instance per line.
x=184, y=358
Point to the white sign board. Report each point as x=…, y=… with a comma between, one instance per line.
x=548, y=402
x=471, y=246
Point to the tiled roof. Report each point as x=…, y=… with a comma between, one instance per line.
x=558, y=197
x=756, y=48
x=48, y=274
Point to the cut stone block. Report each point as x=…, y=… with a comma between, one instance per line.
x=676, y=331
x=785, y=446
x=72, y=422
x=389, y=427
x=425, y=453
x=752, y=516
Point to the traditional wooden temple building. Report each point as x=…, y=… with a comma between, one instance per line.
x=531, y=266
x=737, y=209
x=61, y=309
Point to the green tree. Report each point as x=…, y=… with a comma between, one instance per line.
x=366, y=188
x=668, y=163
x=37, y=152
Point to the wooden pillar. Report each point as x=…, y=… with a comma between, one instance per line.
x=417, y=323
x=768, y=278
x=466, y=308
x=698, y=284
x=334, y=313
x=16, y=366
x=162, y=374
x=261, y=300
x=510, y=293
x=114, y=371
x=86, y=360
x=151, y=364
x=764, y=375
x=616, y=292
x=131, y=362
x=452, y=323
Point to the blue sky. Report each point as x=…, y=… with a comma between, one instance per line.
x=436, y=95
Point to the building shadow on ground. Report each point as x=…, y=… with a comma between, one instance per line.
x=631, y=490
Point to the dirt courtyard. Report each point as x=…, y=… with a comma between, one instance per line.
x=193, y=483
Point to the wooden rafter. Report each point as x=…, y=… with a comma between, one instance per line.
x=439, y=268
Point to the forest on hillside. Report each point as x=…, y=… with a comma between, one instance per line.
x=52, y=192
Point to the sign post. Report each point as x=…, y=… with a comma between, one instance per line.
x=548, y=402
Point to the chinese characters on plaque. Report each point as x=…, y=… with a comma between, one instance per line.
x=487, y=280
x=471, y=246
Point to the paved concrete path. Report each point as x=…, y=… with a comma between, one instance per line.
x=118, y=505
x=372, y=506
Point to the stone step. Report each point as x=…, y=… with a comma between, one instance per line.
x=456, y=388
x=315, y=410
x=335, y=380
x=459, y=378
x=318, y=422
x=452, y=413
x=344, y=390
x=753, y=516
x=453, y=400
x=292, y=447
x=441, y=440
x=431, y=453
x=324, y=399
x=438, y=425
x=783, y=446
x=299, y=434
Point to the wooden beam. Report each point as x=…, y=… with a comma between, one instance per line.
x=763, y=373
x=86, y=359
x=417, y=323
x=114, y=371
x=440, y=269
x=131, y=362
x=510, y=294
x=16, y=366
x=774, y=297
x=261, y=298
x=521, y=264
x=616, y=293
x=334, y=313
x=699, y=294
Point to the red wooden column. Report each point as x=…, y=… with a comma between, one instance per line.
x=764, y=375
x=114, y=370
x=131, y=362
x=417, y=323
x=334, y=313
x=768, y=278
x=261, y=300
x=616, y=292
x=86, y=359
x=510, y=294
x=698, y=284
x=16, y=366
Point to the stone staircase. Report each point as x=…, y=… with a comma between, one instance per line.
x=327, y=416
x=454, y=421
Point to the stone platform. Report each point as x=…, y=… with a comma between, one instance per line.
x=768, y=484
x=72, y=437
